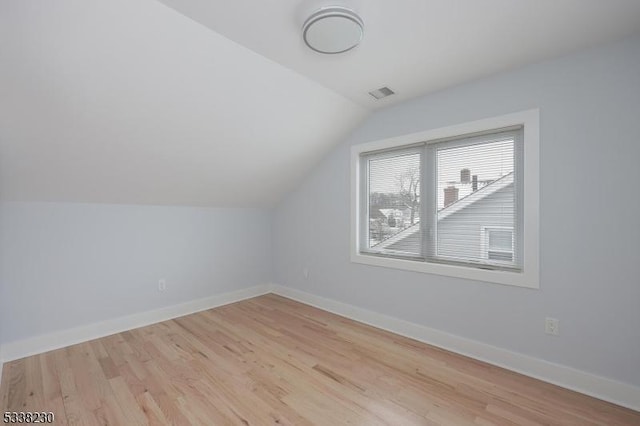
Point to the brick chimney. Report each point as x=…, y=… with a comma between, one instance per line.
x=450, y=195
x=465, y=176
x=474, y=183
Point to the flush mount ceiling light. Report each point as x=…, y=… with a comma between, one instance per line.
x=333, y=29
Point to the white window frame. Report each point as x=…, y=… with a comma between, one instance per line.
x=529, y=275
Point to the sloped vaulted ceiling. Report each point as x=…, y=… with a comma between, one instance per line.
x=128, y=101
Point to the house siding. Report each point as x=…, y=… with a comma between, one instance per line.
x=411, y=243
x=460, y=234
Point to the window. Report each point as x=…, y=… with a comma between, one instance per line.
x=498, y=244
x=470, y=184
x=451, y=201
x=393, y=198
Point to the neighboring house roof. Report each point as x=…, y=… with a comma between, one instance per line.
x=452, y=208
x=387, y=212
x=464, y=189
x=410, y=230
x=375, y=213
x=481, y=193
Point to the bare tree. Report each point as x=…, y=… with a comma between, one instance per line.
x=409, y=183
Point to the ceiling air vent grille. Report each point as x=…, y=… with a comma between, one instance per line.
x=382, y=92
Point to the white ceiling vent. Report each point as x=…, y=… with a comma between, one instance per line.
x=382, y=92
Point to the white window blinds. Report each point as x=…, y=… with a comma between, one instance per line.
x=453, y=201
x=476, y=201
x=393, y=203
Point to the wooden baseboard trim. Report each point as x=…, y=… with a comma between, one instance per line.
x=599, y=387
x=60, y=339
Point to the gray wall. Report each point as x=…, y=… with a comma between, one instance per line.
x=589, y=210
x=65, y=265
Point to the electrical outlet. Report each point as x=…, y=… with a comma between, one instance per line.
x=552, y=326
x=162, y=285
x=305, y=272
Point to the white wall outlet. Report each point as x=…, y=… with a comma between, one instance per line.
x=305, y=272
x=552, y=326
x=162, y=285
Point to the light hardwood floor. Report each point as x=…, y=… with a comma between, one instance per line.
x=270, y=360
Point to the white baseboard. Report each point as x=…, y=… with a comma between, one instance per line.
x=599, y=387
x=60, y=339
x=590, y=384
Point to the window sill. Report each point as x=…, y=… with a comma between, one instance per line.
x=518, y=279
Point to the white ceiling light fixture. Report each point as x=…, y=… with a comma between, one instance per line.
x=333, y=29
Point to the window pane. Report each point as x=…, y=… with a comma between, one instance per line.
x=394, y=204
x=475, y=190
x=500, y=240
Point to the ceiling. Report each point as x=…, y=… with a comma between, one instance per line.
x=127, y=101
x=418, y=46
x=132, y=101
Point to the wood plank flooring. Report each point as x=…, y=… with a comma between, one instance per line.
x=271, y=360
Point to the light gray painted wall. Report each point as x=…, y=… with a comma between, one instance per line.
x=65, y=265
x=590, y=209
